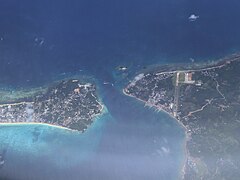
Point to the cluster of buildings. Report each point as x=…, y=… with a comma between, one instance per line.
x=187, y=78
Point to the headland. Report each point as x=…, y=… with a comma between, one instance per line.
x=205, y=100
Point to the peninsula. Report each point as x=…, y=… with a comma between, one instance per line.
x=205, y=100
x=69, y=103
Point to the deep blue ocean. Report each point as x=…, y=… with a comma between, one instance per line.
x=44, y=40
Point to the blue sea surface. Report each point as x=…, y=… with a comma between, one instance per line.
x=42, y=40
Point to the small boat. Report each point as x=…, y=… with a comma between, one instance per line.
x=122, y=68
x=106, y=83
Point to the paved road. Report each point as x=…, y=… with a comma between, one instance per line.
x=176, y=95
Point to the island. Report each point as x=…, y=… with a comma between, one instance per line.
x=205, y=100
x=68, y=103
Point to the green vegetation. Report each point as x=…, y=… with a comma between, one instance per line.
x=210, y=111
x=69, y=103
x=181, y=77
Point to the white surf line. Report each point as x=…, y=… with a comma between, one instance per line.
x=15, y=104
x=203, y=69
x=36, y=123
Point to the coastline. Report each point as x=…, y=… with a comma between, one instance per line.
x=96, y=116
x=187, y=136
x=172, y=67
x=26, y=99
x=35, y=123
x=192, y=68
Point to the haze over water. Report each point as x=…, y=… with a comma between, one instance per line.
x=44, y=40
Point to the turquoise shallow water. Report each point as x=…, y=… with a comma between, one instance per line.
x=41, y=39
x=129, y=141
